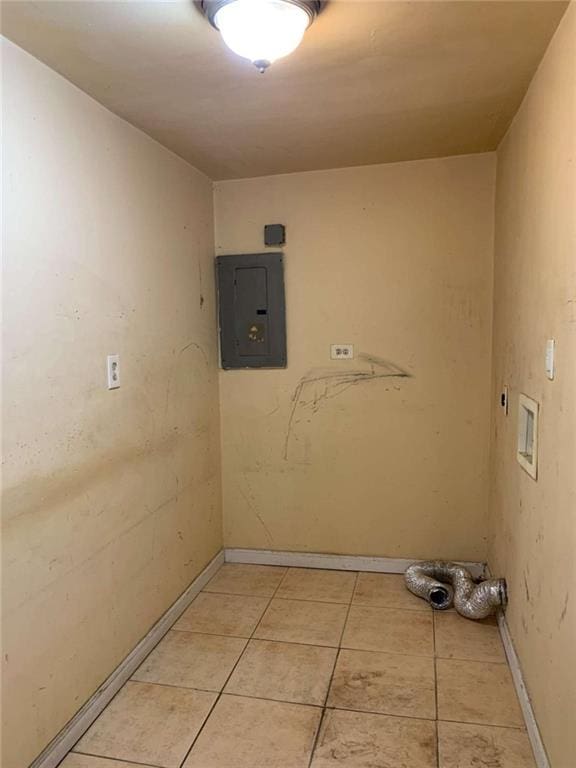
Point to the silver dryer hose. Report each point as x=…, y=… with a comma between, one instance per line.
x=442, y=583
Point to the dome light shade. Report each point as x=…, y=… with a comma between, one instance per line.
x=261, y=30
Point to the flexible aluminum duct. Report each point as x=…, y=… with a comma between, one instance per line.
x=423, y=579
x=440, y=583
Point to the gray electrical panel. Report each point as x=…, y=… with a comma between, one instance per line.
x=252, y=310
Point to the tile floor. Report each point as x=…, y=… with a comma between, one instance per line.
x=298, y=668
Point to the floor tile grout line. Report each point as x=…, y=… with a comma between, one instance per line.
x=345, y=647
x=277, y=701
x=258, y=639
x=377, y=712
x=318, y=645
x=355, y=587
x=114, y=759
x=317, y=735
x=209, y=634
x=347, y=614
x=194, y=740
x=391, y=653
x=393, y=715
x=262, y=639
x=178, y=687
x=473, y=661
x=315, y=706
x=521, y=728
x=220, y=693
x=425, y=610
x=296, y=599
x=283, y=579
x=336, y=657
x=231, y=693
x=272, y=597
x=420, y=609
x=366, y=650
x=292, y=642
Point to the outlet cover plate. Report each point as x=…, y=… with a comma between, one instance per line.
x=342, y=351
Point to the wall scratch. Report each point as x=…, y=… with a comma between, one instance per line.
x=257, y=515
x=190, y=344
x=526, y=589
x=335, y=383
x=200, y=284
x=564, y=609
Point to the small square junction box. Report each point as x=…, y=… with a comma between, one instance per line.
x=274, y=234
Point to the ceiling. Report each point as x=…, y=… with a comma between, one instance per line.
x=372, y=82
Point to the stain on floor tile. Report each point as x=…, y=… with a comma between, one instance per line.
x=384, y=683
x=483, y=746
x=362, y=740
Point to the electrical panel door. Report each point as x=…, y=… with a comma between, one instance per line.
x=252, y=310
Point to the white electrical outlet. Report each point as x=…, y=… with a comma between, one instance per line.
x=550, y=344
x=342, y=351
x=113, y=371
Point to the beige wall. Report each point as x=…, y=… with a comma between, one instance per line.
x=112, y=499
x=397, y=260
x=533, y=524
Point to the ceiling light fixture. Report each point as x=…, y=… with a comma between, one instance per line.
x=261, y=30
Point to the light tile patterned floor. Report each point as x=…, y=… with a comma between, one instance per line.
x=301, y=668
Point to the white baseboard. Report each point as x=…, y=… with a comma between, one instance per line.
x=538, y=748
x=334, y=562
x=83, y=719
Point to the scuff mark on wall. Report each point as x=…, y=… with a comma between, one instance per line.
x=325, y=384
x=200, y=284
x=526, y=589
x=564, y=609
x=275, y=409
x=257, y=515
x=190, y=345
x=44, y=492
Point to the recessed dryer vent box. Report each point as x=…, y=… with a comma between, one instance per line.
x=527, y=452
x=252, y=311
